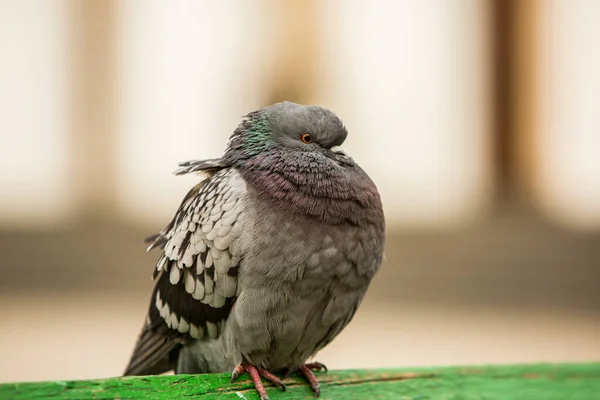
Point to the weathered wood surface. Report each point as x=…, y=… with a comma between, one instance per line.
x=527, y=382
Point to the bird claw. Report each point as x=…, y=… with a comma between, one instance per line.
x=272, y=378
x=317, y=366
x=237, y=371
x=306, y=371
x=255, y=375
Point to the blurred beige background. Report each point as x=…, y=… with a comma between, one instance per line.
x=478, y=120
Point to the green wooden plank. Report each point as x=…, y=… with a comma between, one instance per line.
x=529, y=382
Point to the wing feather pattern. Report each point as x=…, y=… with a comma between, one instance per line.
x=196, y=275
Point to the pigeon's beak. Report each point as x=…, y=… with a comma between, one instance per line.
x=338, y=150
x=341, y=156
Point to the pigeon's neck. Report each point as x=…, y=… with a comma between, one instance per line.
x=319, y=190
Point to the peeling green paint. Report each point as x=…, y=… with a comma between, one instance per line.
x=529, y=382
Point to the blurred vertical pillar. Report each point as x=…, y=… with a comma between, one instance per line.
x=505, y=43
x=92, y=134
x=567, y=124
x=297, y=29
x=412, y=82
x=523, y=97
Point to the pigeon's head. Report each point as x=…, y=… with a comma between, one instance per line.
x=309, y=132
x=305, y=128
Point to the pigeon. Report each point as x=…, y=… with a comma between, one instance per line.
x=268, y=257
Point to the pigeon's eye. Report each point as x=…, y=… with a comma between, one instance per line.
x=306, y=138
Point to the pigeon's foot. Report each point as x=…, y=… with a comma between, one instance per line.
x=307, y=372
x=316, y=366
x=255, y=374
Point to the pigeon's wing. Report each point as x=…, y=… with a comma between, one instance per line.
x=196, y=276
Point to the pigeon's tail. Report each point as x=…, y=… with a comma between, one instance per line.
x=156, y=349
x=154, y=354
